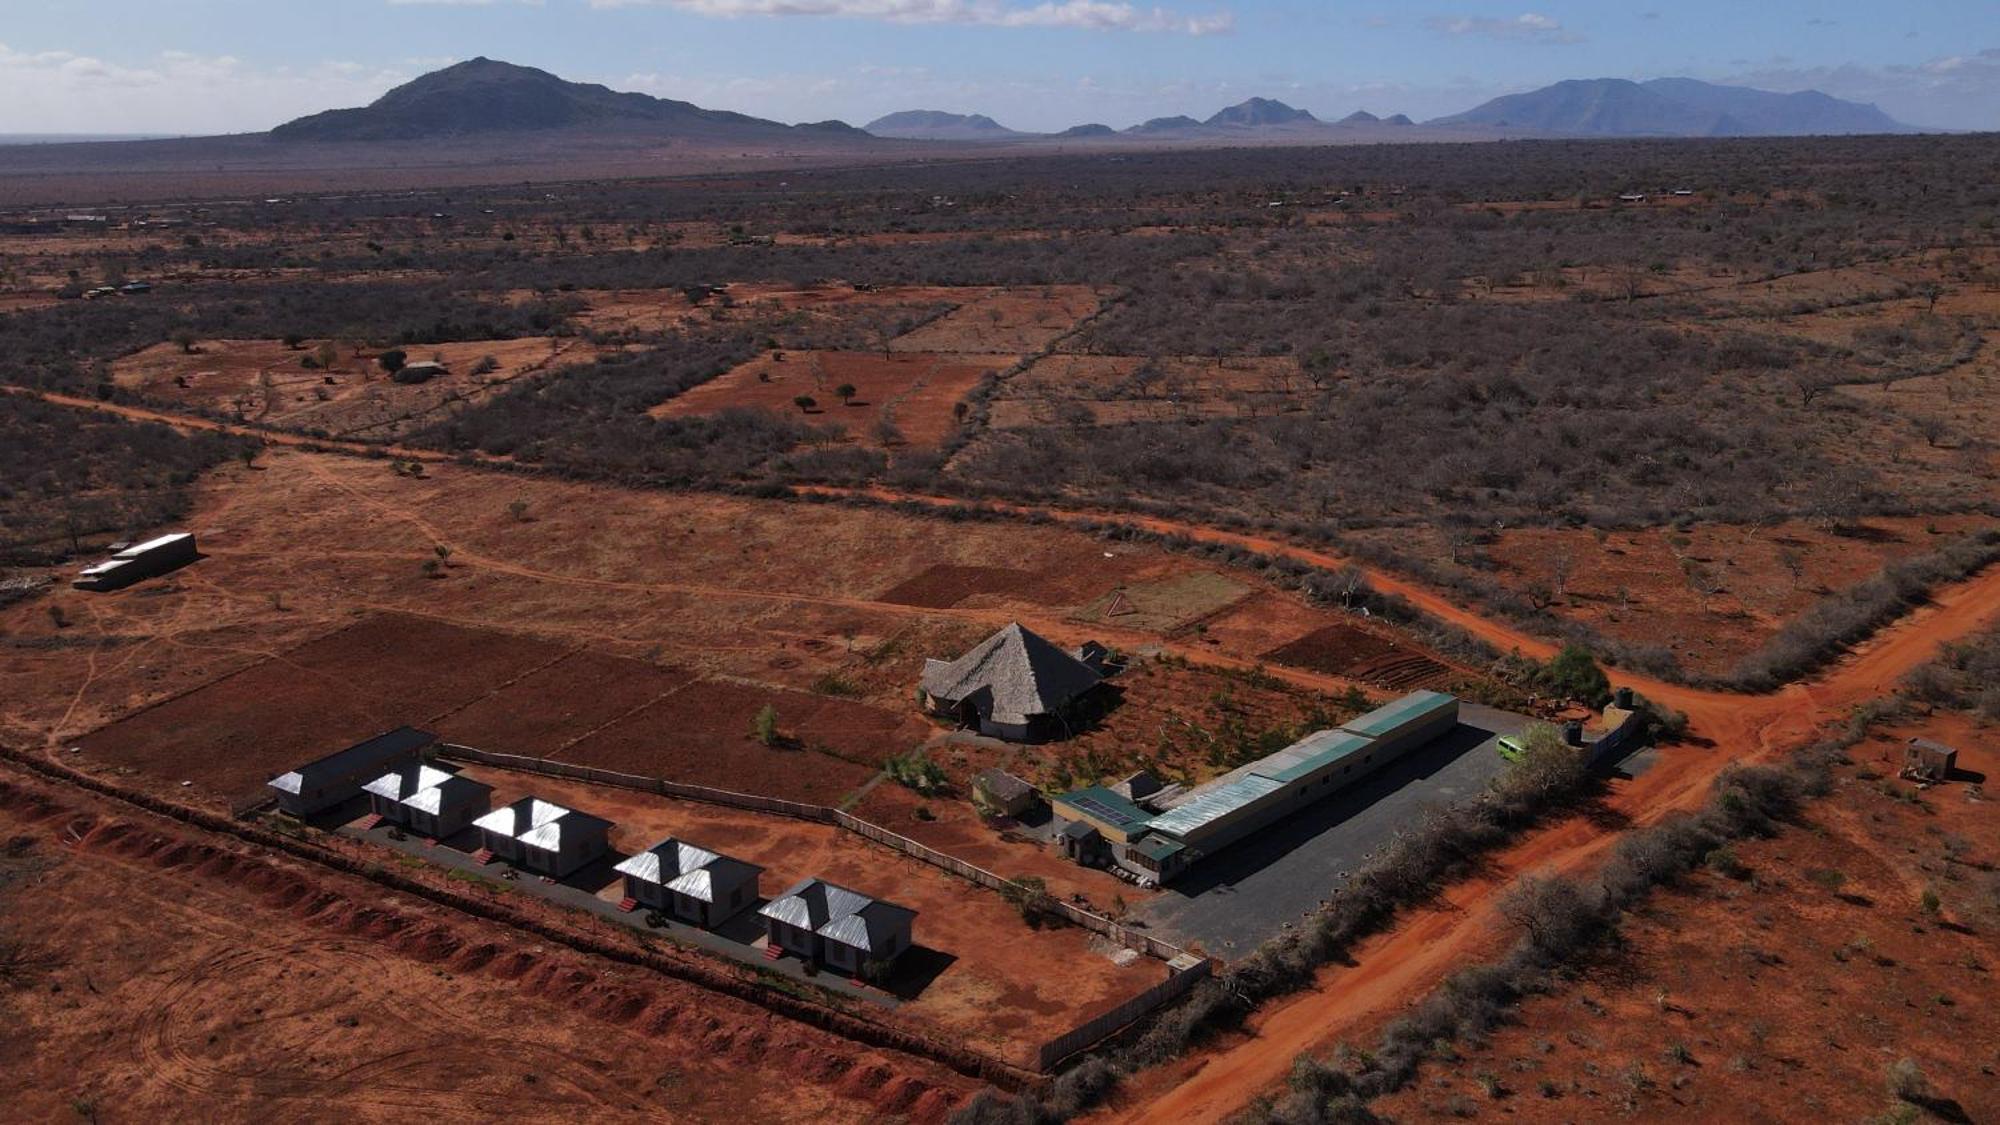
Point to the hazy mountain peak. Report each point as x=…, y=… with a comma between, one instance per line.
x=1259, y=112
x=1673, y=107
x=937, y=125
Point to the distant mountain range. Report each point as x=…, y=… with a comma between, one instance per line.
x=483, y=96
x=1596, y=107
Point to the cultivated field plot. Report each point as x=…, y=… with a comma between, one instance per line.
x=1000, y=984
x=264, y=381
x=1112, y=390
x=1166, y=605
x=1345, y=649
x=951, y=585
x=1011, y=320
x=704, y=735
x=553, y=706
x=904, y=398
x=233, y=735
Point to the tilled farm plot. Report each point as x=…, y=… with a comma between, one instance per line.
x=265, y=381
x=551, y=707
x=231, y=736
x=1346, y=650
x=1013, y=320
x=947, y=584
x=913, y=392
x=703, y=735
x=1113, y=390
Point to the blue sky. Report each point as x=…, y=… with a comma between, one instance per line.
x=196, y=66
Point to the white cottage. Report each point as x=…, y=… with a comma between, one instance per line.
x=690, y=883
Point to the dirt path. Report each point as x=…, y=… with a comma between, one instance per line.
x=1394, y=969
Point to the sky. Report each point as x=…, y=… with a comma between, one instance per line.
x=212, y=66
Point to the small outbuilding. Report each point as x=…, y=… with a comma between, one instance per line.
x=322, y=784
x=844, y=928
x=543, y=837
x=1001, y=792
x=1925, y=760
x=140, y=561
x=690, y=883
x=1014, y=685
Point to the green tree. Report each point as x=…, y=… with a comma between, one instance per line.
x=805, y=403
x=392, y=360
x=846, y=391
x=766, y=725
x=1574, y=674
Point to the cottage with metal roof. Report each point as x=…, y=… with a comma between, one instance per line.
x=690, y=883
x=846, y=929
x=445, y=809
x=543, y=837
x=338, y=777
x=1014, y=685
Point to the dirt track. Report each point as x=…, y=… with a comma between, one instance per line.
x=1395, y=968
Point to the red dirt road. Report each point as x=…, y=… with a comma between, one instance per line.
x=1395, y=968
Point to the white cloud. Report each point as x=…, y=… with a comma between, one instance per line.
x=1089, y=15
x=1530, y=26
x=174, y=92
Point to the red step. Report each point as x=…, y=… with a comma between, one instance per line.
x=368, y=822
x=628, y=904
x=773, y=951
x=482, y=857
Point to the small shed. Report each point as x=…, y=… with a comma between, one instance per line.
x=1003, y=793
x=140, y=561
x=689, y=882
x=845, y=928
x=324, y=783
x=1924, y=760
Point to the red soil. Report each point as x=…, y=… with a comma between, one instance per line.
x=551, y=707
x=233, y=735
x=914, y=391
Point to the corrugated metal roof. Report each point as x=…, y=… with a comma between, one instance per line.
x=1205, y=805
x=403, y=781
x=666, y=861
x=1158, y=848
x=836, y=913
x=1309, y=755
x=138, y=549
x=375, y=752
x=452, y=791
x=521, y=817
x=1106, y=806
x=1392, y=717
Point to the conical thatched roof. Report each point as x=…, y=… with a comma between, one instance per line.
x=1011, y=676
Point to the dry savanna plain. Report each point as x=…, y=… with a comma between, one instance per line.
x=633, y=491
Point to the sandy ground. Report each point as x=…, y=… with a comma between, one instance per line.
x=916, y=393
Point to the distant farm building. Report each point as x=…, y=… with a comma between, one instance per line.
x=1924, y=760
x=431, y=800
x=422, y=371
x=847, y=929
x=690, y=883
x=1104, y=826
x=542, y=837
x=135, y=563
x=1013, y=685
x=339, y=777
x=1001, y=792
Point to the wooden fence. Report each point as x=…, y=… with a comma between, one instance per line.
x=1089, y=1034
x=1188, y=968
